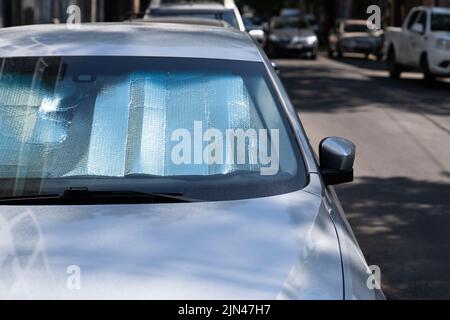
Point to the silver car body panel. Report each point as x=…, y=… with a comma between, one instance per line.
x=280, y=247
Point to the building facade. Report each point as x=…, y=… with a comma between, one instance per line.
x=23, y=12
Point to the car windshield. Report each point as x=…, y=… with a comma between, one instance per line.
x=440, y=22
x=290, y=23
x=355, y=28
x=225, y=15
x=210, y=129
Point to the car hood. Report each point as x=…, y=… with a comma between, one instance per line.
x=281, y=247
x=290, y=33
x=442, y=35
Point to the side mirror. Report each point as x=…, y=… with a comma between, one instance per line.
x=337, y=156
x=418, y=28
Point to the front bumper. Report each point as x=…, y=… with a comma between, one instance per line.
x=293, y=48
x=439, y=62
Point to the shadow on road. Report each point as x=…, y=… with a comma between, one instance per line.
x=317, y=88
x=403, y=226
x=362, y=62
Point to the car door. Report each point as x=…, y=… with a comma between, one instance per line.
x=404, y=54
x=418, y=38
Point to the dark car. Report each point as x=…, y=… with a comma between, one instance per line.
x=353, y=36
x=291, y=36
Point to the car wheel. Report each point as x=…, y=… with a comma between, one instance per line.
x=428, y=77
x=394, y=68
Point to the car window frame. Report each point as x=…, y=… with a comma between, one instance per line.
x=412, y=19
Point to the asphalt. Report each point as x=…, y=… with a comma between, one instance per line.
x=399, y=204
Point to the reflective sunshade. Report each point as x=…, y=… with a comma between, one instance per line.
x=113, y=117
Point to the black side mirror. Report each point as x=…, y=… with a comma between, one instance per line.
x=337, y=156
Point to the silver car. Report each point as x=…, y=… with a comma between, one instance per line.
x=217, y=10
x=164, y=162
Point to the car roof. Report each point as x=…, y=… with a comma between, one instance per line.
x=355, y=22
x=184, y=20
x=192, y=7
x=129, y=39
x=440, y=9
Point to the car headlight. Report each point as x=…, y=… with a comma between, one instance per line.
x=443, y=44
x=311, y=40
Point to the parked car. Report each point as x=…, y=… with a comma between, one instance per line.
x=290, y=12
x=423, y=43
x=291, y=36
x=100, y=190
x=218, y=10
x=353, y=36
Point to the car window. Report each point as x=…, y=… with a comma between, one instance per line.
x=413, y=19
x=212, y=129
x=440, y=21
x=290, y=23
x=355, y=28
x=422, y=20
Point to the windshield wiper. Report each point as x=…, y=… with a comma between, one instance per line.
x=83, y=196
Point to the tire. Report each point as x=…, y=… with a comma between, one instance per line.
x=428, y=77
x=394, y=68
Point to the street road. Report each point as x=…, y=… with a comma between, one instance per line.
x=399, y=205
